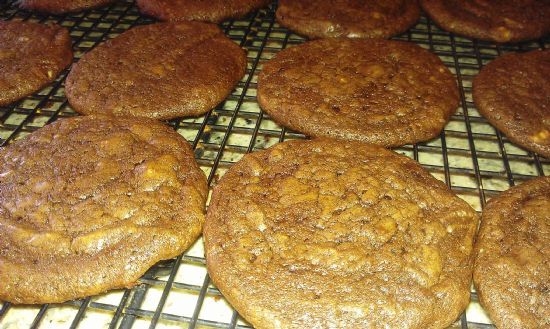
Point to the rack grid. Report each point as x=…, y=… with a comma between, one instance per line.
x=470, y=156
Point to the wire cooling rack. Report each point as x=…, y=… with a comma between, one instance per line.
x=476, y=161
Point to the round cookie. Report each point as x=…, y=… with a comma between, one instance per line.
x=88, y=204
x=348, y=18
x=214, y=11
x=160, y=71
x=61, y=6
x=331, y=234
x=31, y=56
x=513, y=93
x=498, y=21
x=388, y=93
x=512, y=267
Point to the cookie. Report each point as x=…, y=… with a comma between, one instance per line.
x=331, y=234
x=513, y=94
x=31, y=56
x=388, y=93
x=499, y=21
x=512, y=267
x=161, y=71
x=348, y=18
x=88, y=204
x=61, y=6
x=214, y=11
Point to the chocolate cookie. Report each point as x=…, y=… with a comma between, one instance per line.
x=161, y=71
x=348, y=18
x=88, y=204
x=512, y=268
x=498, y=21
x=31, y=56
x=513, y=93
x=382, y=92
x=62, y=6
x=214, y=11
x=331, y=234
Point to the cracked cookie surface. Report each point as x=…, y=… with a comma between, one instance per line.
x=348, y=18
x=160, y=71
x=330, y=234
x=493, y=20
x=512, y=267
x=214, y=11
x=31, y=56
x=513, y=94
x=388, y=93
x=89, y=204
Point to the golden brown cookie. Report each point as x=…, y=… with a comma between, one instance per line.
x=493, y=20
x=388, y=93
x=31, y=56
x=88, y=204
x=61, y=6
x=214, y=11
x=160, y=71
x=512, y=267
x=331, y=234
x=348, y=18
x=513, y=93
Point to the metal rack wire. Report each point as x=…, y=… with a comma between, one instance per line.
x=473, y=159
